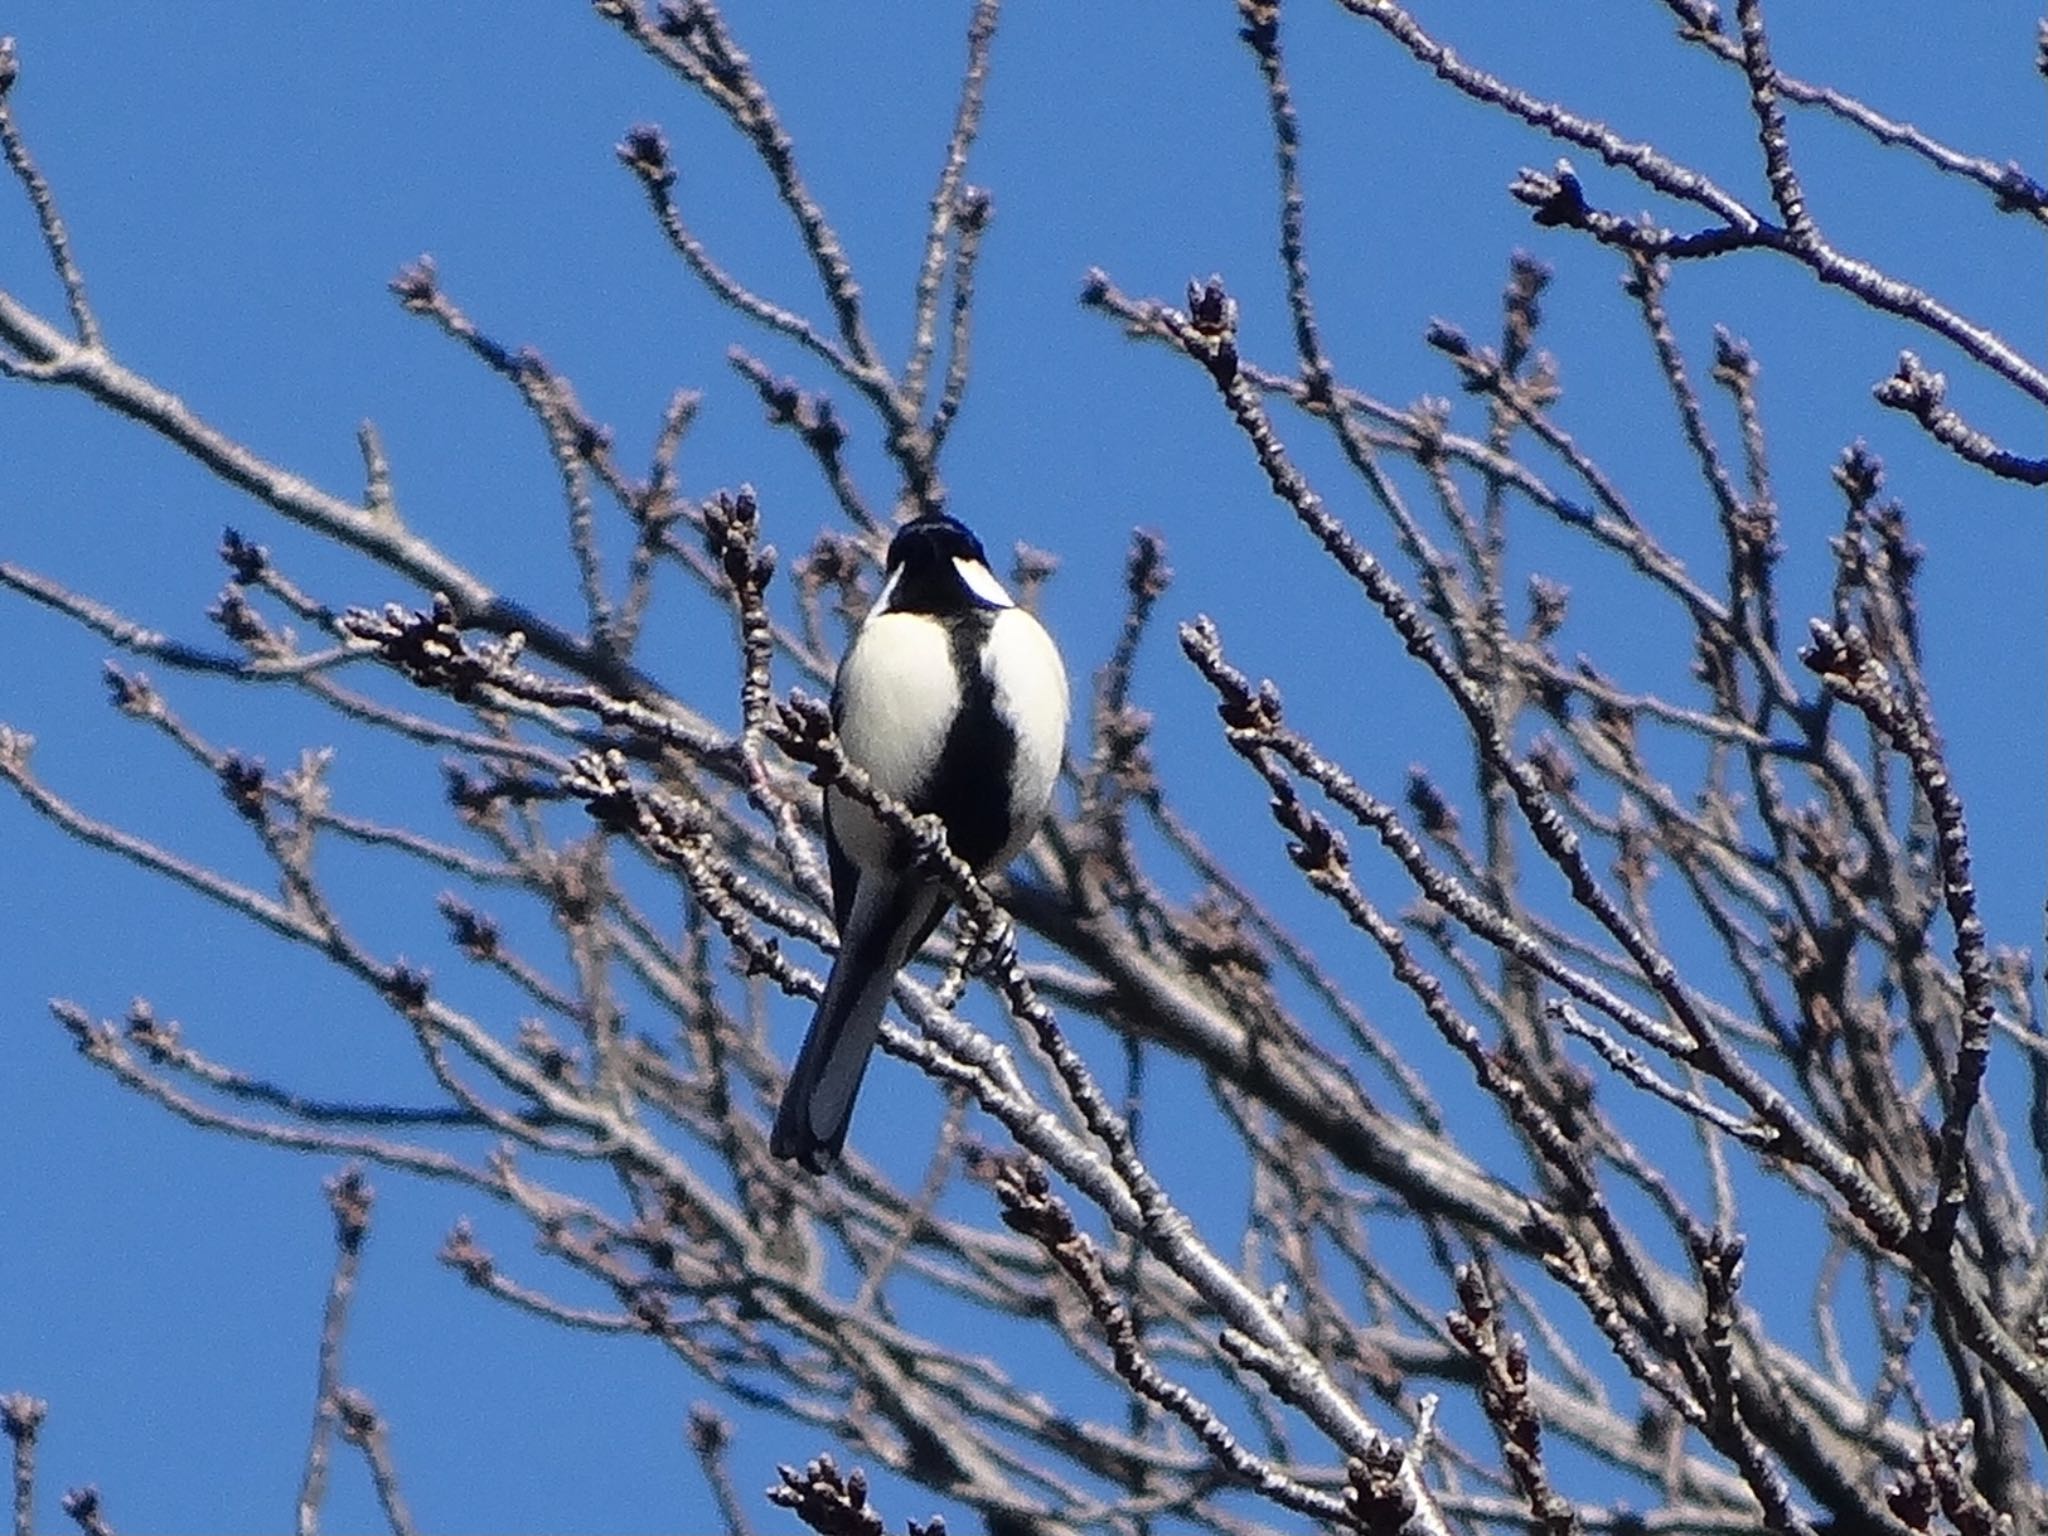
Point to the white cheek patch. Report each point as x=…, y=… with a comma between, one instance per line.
x=981, y=581
x=886, y=602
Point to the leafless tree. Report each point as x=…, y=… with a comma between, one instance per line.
x=1708, y=946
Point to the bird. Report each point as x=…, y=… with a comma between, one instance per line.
x=954, y=702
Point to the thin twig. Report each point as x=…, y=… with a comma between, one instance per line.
x=56, y=239
x=350, y=1197
x=21, y=1416
x=950, y=210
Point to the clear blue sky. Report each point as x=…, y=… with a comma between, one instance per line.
x=243, y=179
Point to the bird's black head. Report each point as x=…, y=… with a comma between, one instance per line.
x=937, y=565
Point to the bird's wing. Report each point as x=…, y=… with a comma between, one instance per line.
x=845, y=873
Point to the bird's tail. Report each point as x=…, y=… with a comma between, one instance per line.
x=817, y=1105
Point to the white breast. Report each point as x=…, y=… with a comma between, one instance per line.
x=1031, y=694
x=898, y=697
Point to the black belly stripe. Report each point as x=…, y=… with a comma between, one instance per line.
x=968, y=789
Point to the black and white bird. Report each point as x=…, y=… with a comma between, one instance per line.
x=954, y=701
